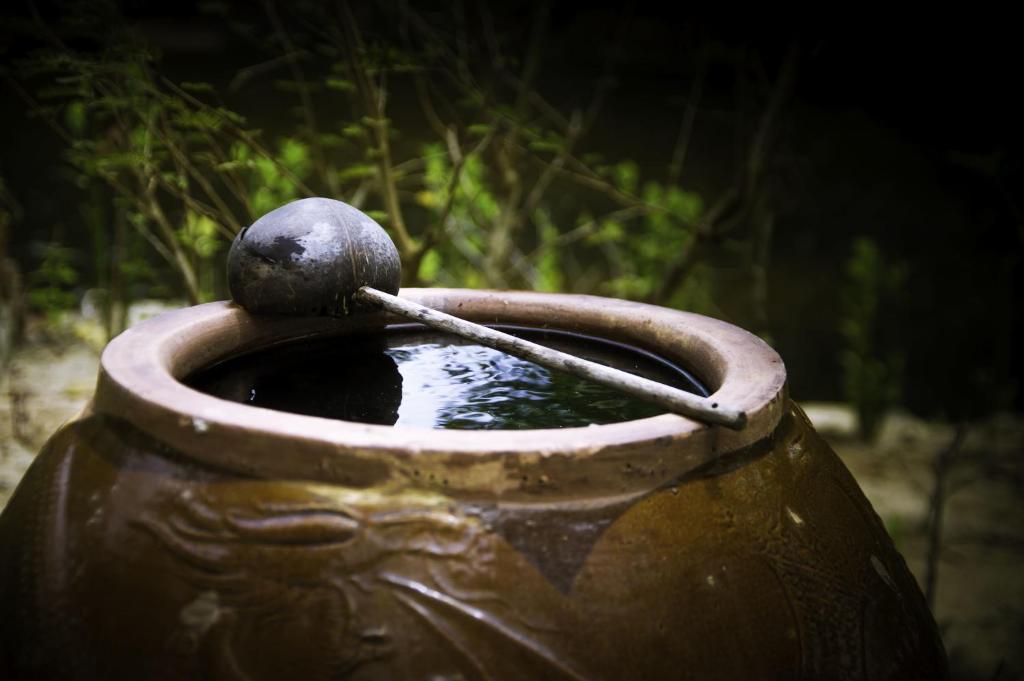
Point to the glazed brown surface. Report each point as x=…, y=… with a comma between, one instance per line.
x=167, y=534
x=131, y=562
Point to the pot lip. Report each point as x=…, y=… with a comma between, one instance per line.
x=140, y=372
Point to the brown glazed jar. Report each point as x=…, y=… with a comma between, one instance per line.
x=168, y=534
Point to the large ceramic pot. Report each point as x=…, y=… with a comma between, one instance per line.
x=167, y=534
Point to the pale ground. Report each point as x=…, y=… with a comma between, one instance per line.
x=980, y=594
x=43, y=386
x=980, y=602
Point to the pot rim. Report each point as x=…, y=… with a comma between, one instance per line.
x=141, y=370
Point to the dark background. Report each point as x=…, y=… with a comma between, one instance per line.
x=901, y=135
x=905, y=130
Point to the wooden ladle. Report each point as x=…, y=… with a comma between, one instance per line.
x=317, y=256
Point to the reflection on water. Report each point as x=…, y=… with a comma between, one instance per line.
x=416, y=378
x=352, y=382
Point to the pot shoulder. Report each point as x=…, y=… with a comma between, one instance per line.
x=125, y=559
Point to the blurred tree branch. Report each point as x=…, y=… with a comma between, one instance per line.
x=745, y=202
x=496, y=199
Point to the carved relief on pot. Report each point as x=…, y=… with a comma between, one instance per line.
x=168, y=533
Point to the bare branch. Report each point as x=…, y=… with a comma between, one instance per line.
x=226, y=214
x=553, y=167
x=240, y=134
x=428, y=107
x=242, y=76
x=941, y=468
x=379, y=129
x=675, y=167
x=305, y=99
x=735, y=205
x=579, y=233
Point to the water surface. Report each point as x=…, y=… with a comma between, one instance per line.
x=412, y=377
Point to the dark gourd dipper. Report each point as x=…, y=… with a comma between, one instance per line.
x=321, y=257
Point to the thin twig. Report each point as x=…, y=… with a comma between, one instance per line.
x=182, y=160
x=597, y=183
x=735, y=205
x=427, y=106
x=941, y=469
x=510, y=216
x=379, y=128
x=243, y=75
x=579, y=232
x=240, y=134
x=533, y=199
x=675, y=167
x=305, y=99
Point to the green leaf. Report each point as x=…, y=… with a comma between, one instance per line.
x=330, y=141
x=480, y=129
x=549, y=265
x=199, y=233
x=610, y=231
x=627, y=176
x=49, y=284
x=353, y=130
x=545, y=145
x=196, y=86
x=357, y=172
x=75, y=118
x=686, y=205
x=230, y=166
x=295, y=156
x=430, y=265
x=230, y=115
x=340, y=84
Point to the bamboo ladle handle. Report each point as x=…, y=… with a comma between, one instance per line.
x=674, y=400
